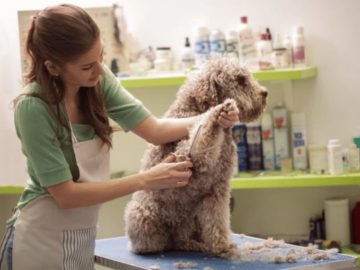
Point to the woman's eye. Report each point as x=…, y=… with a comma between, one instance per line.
x=87, y=68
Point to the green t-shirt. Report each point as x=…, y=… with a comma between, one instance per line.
x=50, y=156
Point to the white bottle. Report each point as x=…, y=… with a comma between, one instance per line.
x=299, y=47
x=289, y=49
x=299, y=141
x=280, y=135
x=335, y=157
x=279, y=55
x=232, y=44
x=267, y=130
x=202, y=45
x=353, y=158
x=264, y=53
x=247, y=49
x=187, y=56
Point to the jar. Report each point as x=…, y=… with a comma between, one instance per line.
x=318, y=158
x=163, y=60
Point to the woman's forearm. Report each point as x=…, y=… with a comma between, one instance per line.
x=86, y=194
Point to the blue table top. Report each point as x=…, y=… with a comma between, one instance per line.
x=113, y=253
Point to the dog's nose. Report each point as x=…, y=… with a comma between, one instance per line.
x=264, y=93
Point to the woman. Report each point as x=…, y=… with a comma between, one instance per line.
x=62, y=122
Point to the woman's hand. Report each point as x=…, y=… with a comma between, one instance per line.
x=168, y=174
x=228, y=120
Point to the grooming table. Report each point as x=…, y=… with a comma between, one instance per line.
x=113, y=253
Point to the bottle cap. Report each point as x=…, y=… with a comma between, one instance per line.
x=231, y=34
x=243, y=19
x=334, y=142
x=200, y=30
x=187, y=43
x=268, y=31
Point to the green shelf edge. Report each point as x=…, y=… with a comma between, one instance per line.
x=299, y=180
x=349, y=251
x=270, y=75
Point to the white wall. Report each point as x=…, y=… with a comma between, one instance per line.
x=330, y=101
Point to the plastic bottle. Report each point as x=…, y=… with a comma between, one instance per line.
x=264, y=53
x=280, y=134
x=217, y=42
x=202, y=45
x=289, y=49
x=357, y=137
x=187, y=56
x=268, y=148
x=299, y=47
x=254, y=142
x=247, y=49
x=232, y=44
x=299, y=141
x=279, y=55
x=353, y=158
x=335, y=157
x=239, y=136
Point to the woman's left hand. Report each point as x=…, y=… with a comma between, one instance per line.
x=228, y=120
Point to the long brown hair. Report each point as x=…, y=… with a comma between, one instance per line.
x=61, y=34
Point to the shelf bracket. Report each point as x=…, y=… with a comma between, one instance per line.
x=287, y=86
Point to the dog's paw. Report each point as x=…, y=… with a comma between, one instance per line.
x=229, y=105
x=232, y=253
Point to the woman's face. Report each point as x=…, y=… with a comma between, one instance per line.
x=86, y=70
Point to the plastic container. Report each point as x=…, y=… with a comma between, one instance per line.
x=280, y=135
x=279, y=54
x=239, y=136
x=298, y=130
x=357, y=137
x=335, y=157
x=318, y=158
x=202, y=45
x=353, y=158
x=163, y=61
x=356, y=222
x=289, y=49
x=264, y=53
x=254, y=142
x=299, y=47
x=217, y=42
x=187, y=56
x=231, y=43
x=247, y=48
x=268, y=147
x=337, y=220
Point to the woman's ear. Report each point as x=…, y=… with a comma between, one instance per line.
x=52, y=68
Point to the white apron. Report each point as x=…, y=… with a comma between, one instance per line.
x=48, y=237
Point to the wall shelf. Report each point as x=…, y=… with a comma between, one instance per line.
x=295, y=179
x=271, y=180
x=179, y=79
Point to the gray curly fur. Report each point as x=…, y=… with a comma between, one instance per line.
x=196, y=217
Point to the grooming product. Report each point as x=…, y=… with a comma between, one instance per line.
x=345, y=158
x=264, y=53
x=268, y=148
x=253, y=138
x=337, y=220
x=279, y=54
x=163, y=61
x=187, y=56
x=335, y=157
x=286, y=165
x=289, y=49
x=232, y=44
x=299, y=47
x=357, y=137
x=318, y=158
x=353, y=158
x=280, y=135
x=239, y=136
x=217, y=42
x=269, y=34
x=299, y=141
x=202, y=45
x=356, y=222
x=247, y=49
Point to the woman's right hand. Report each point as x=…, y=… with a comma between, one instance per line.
x=168, y=174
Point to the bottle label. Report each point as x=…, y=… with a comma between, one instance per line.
x=299, y=153
x=217, y=46
x=299, y=55
x=253, y=137
x=268, y=148
x=201, y=52
x=239, y=136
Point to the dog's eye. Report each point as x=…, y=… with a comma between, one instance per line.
x=241, y=80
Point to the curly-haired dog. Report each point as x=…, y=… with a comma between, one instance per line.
x=196, y=217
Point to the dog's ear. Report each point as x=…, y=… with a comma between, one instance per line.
x=206, y=95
